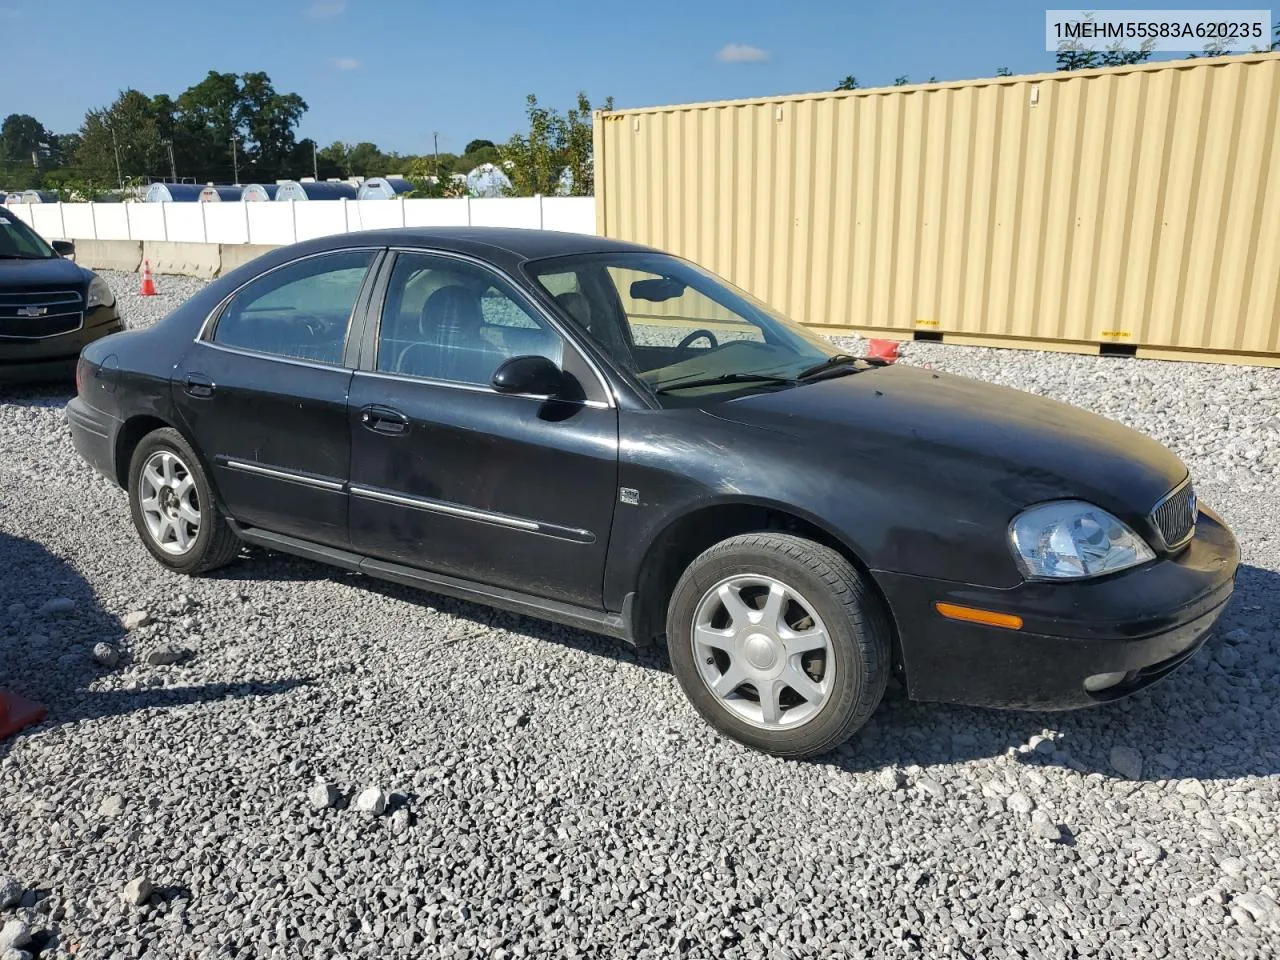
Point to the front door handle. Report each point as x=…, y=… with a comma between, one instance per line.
x=382, y=419
x=198, y=385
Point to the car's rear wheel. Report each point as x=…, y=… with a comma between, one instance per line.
x=779, y=642
x=173, y=507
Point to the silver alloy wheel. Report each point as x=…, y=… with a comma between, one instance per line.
x=763, y=651
x=169, y=502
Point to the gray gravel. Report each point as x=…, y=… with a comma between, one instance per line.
x=208, y=808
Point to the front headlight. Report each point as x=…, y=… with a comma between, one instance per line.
x=100, y=294
x=1071, y=539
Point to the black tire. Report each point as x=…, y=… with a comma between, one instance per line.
x=214, y=545
x=855, y=621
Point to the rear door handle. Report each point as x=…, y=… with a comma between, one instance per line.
x=382, y=419
x=198, y=385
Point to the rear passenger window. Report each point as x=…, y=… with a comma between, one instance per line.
x=301, y=310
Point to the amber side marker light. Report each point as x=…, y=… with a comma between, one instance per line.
x=953, y=611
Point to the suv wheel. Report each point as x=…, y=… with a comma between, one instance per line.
x=173, y=508
x=779, y=643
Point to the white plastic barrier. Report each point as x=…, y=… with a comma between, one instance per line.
x=317, y=218
x=437, y=213
x=225, y=222
x=184, y=222
x=277, y=224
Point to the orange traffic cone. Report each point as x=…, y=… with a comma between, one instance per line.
x=148, y=285
x=17, y=712
x=886, y=350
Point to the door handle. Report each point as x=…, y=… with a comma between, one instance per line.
x=198, y=385
x=382, y=419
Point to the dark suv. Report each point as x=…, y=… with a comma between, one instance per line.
x=49, y=307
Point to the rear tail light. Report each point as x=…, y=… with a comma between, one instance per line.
x=80, y=374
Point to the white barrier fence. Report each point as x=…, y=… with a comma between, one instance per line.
x=279, y=223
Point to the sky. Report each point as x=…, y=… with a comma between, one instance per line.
x=394, y=71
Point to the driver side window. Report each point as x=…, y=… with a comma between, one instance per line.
x=301, y=310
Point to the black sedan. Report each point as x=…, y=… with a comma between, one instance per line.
x=49, y=307
x=607, y=436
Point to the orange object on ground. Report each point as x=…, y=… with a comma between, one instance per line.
x=883, y=350
x=17, y=712
x=148, y=285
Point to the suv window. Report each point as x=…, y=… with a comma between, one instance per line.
x=301, y=310
x=448, y=319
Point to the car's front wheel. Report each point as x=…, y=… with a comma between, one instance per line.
x=779, y=642
x=173, y=506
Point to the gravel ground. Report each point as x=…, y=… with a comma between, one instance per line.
x=290, y=761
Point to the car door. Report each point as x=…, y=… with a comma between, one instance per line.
x=263, y=391
x=453, y=477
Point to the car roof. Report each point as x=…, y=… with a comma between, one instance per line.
x=520, y=244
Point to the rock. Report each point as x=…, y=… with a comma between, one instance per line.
x=13, y=953
x=372, y=801
x=106, y=655
x=323, y=795
x=135, y=619
x=13, y=934
x=891, y=778
x=1043, y=826
x=1259, y=906
x=1144, y=849
x=1227, y=656
x=1232, y=866
x=1019, y=803
x=57, y=606
x=1017, y=914
x=931, y=787
x=136, y=892
x=517, y=719
x=167, y=654
x=111, y=806
x=1127, y=762
x=1192, y=788
x=1241, y=916
x=400, y=821
x=10, y=891
x=1238, y=635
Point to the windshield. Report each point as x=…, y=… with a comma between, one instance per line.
x=672, y=323
x=17, y=240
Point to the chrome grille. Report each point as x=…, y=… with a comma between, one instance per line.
x=1175, y=515
x=56, y=312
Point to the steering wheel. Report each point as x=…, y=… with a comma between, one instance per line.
x=698, y=335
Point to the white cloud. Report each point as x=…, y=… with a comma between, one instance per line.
x=324, y=9
x=346, y=63
x=741, y=53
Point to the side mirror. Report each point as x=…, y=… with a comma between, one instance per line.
x=63, y=248
x=536, y=376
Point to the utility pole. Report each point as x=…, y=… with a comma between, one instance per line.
x=315, y=164
x=435, y=140
x=116, y=147
x=235, y=162
x=173, y=167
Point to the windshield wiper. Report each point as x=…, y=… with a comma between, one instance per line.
x=831, y=363
x=723, y=378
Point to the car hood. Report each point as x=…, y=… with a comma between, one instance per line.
x=17, y=276
x=909, y=425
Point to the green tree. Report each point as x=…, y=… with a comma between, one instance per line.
x=1003, y=72
x=901, y=81
x=21, y=136
x=475, y=145
x=578, y=145
x=267, y=120
x=127, y=130
x=848, y=83
x=534, y=162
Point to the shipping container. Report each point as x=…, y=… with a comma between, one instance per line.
x=173, y=193
x=258, y=192
x=1128, y=209
x=215, y=193
x=383, y=188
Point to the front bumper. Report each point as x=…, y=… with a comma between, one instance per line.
x=1141, y=624
x=54, y=358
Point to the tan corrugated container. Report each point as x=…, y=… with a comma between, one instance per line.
x=1136, y=205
